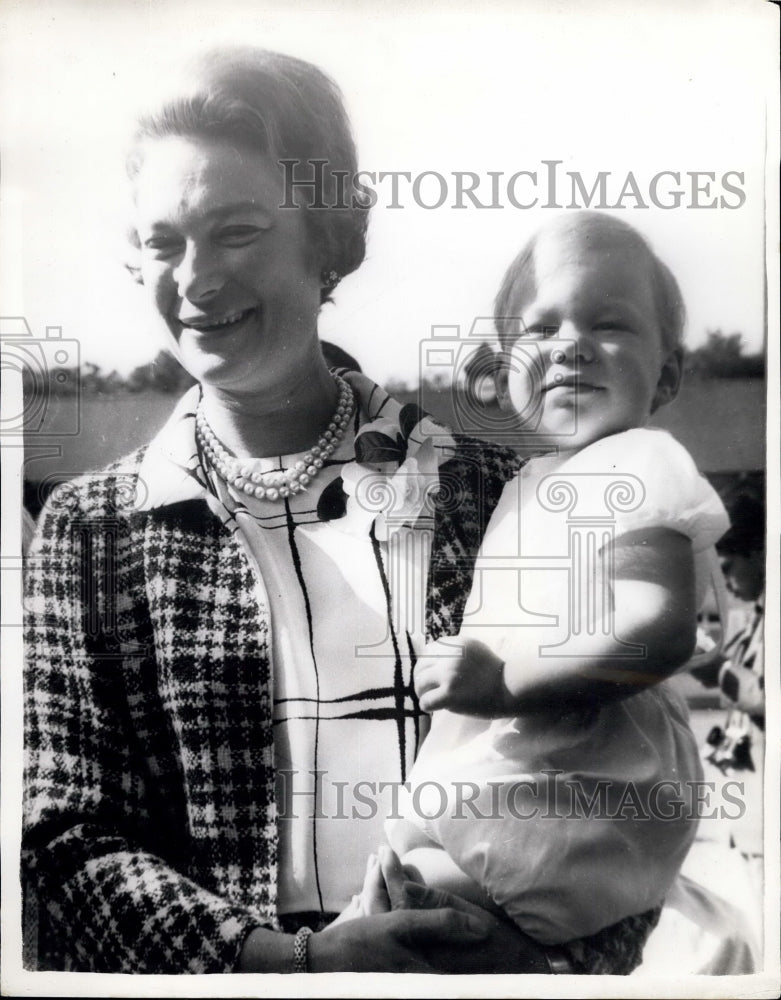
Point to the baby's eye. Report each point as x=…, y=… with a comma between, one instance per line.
x=239, y=235
x=539, y=331
x=610, y=324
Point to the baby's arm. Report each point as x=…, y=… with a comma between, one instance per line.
x=649, y=578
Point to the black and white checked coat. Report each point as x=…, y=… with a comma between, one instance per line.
x=150, y=823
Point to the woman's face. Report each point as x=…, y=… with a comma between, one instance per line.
x=227, y=269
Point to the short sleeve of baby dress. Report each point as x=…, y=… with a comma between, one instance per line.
x=651, y=481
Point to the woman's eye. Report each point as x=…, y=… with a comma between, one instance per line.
x=238, y=236
x=163, y=247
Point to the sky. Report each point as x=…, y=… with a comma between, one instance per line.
x=432, y=89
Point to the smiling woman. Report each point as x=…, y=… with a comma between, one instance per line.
x=230, y=272
x=237, y=278
x=212, y=634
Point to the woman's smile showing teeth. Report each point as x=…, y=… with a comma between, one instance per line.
x=207, y=324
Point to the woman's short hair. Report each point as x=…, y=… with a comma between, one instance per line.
x=287, y=108
x=520, y=276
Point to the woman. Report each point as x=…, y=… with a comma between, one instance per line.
x=219, y=660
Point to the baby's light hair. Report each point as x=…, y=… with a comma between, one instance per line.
x=520, y=276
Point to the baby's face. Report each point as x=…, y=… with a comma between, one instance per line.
x=587, y=359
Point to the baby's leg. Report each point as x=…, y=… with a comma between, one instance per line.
x=434, y=867
x=373, y=897
x=425, y=861
x=404, y=836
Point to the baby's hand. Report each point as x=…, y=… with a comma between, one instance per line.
x=464, y=676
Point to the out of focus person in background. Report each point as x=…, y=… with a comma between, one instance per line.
x=739, y=674
x=741, y=677
x=736, y=747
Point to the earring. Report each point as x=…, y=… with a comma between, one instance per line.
x=329, y=279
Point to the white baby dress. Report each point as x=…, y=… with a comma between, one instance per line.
x=570, y=822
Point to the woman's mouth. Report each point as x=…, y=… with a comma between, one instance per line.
x=218, y=324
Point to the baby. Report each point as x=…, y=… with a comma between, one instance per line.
x=558, y=781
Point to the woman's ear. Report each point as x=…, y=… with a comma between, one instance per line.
x=669, y=383
x=134, y=272
x=132, y=255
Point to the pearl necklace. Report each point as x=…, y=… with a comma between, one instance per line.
x=277, y=485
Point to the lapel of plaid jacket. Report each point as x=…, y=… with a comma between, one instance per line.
x=214, y=682
x=471, y=484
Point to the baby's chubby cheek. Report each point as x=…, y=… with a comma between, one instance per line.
x=525, y=381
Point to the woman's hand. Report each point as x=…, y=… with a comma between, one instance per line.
x=403, y=940
x=427, y=930
x=358, y=942
x=502, y=947
x=462, y=675
x=424, y=930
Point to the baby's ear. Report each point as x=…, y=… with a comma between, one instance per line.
x=669, y=383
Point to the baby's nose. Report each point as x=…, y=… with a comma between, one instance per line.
x=575, y=341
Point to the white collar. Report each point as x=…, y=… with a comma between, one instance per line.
x=170, y=470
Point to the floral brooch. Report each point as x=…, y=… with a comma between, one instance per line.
x=394, y=481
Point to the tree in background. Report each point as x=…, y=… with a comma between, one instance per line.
x=722, y=357
x=164, y=374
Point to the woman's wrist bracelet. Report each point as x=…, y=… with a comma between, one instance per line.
x=300, y=949
x=559, y=962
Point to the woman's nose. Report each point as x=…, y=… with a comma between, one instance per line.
x=197, y=275
x=576, y=342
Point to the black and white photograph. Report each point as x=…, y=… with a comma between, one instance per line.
x=390, y=537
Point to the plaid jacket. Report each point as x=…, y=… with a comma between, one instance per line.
x=150, y=822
